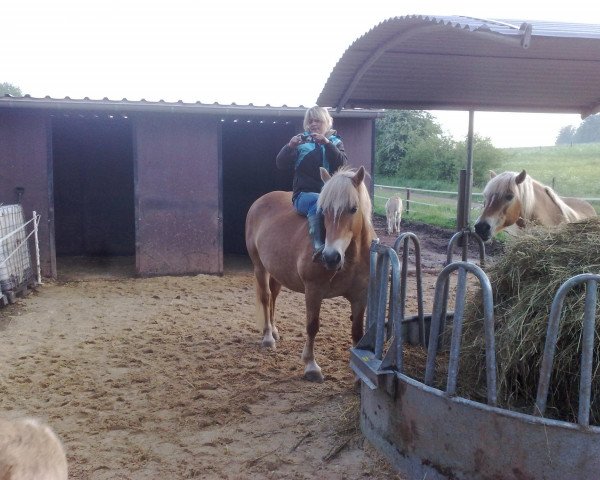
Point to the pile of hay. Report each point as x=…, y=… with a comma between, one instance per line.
x=524, y=282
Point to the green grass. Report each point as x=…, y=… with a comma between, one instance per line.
x=442, y=216
x=575, y=169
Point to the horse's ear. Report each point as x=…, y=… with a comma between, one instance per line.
x=492, y=174
x=359, y=176
x=520, y=177
x=324, y=174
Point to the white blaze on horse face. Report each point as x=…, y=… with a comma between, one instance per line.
x=339, y=234
x=501, y=210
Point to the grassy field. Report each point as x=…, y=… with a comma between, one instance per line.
x=571, y=170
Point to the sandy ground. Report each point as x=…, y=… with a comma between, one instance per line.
x=164, y=378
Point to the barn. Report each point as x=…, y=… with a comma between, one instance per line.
x=162, y=185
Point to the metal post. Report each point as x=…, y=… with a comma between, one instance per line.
x=408, y=200
x=469, y=176
x=36, y=223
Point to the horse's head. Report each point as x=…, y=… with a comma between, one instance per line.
x=503, y=204
x=346, y=207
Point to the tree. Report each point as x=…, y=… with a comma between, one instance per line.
x=565, y=135
x=395, y=132
x=588, y=131
x=411, y=145
x=7, y=88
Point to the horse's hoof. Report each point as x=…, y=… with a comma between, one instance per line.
x=314, y=376
x=268, y=343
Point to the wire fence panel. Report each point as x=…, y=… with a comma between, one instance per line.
x=15, y=260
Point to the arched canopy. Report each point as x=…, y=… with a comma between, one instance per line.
x=463, y=63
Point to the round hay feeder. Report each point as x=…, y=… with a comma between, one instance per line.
x=429, y=432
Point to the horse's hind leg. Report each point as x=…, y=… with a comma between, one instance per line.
x=275, y=288
x=265, y=304
x=312, y=371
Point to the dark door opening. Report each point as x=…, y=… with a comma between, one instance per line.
x=248, y=150
x=93, y=183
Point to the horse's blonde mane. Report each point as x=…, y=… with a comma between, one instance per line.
x=505, y=182
x=339, y=194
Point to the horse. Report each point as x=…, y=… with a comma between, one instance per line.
x=282, y=254
x=516, y=199
x=393, y=213
x=30, y=450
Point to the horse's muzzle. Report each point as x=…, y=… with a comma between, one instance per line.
x=484, y=230
x=332, y=259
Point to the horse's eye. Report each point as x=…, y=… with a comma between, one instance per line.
x=509, y=197
x=353, y=210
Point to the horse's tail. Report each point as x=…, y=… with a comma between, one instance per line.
x=567, y=212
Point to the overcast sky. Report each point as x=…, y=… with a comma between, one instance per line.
x=260, y=52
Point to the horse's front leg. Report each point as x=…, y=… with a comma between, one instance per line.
x=357, y=307
x=312, y=371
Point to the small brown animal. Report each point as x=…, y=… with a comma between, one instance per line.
x=393, y=212
x=30, y=450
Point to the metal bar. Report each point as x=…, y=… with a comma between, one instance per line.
x=440, y=305
x=552, y=336
x=469, y=173
x=36, y=224
x=383, y=269
x=587, y=352
x=403, y=240
x=456, y=332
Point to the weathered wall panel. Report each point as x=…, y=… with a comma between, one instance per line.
x=25, y=162
x=357, y=135
x=177, y=192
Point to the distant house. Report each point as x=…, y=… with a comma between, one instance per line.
x=167, y=183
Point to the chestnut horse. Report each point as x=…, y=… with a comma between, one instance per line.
x=281, y=251
x=512, y=198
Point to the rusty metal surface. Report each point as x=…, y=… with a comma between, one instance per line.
x=177, y=195
x=424, y=432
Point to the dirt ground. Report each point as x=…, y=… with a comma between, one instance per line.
x=164, y=378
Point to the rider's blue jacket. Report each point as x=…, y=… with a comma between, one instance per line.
x=306, y=159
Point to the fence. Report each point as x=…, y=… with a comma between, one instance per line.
x=418, y=200
x=16, y=235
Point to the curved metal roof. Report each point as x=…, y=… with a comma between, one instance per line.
x=463, y=63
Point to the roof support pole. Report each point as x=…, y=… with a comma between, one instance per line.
x=468, y=185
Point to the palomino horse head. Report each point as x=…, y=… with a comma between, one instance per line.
x=346, y=207
x=504, y=203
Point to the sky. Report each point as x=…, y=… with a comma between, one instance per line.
x=275, y=52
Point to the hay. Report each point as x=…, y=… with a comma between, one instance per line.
x=524, y=282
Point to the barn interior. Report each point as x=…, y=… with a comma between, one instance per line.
x=249, y=148
x=93, y=189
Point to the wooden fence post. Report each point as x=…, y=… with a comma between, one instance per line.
x=408, y=200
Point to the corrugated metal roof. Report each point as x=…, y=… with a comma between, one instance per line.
x=463, y=63
x=126, y=106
